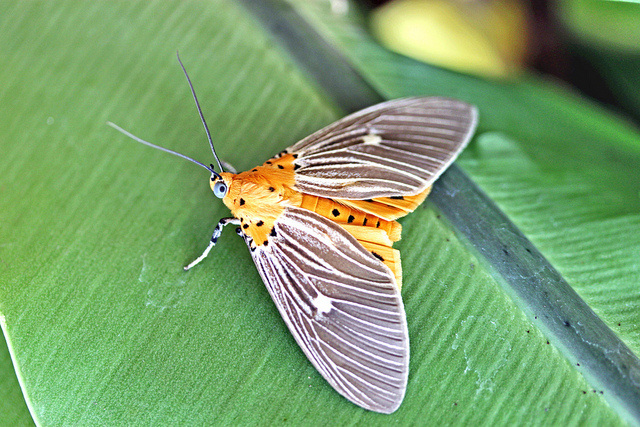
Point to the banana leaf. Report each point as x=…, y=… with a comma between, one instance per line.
x=604, y=35
x=104, y=326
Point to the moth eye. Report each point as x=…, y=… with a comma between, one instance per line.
x=220, y=189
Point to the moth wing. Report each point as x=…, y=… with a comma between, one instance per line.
x=396, y=148
x=341, y=304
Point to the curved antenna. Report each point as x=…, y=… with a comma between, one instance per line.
x=166, y=150
x=206, y=128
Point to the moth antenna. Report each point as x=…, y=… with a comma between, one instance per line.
x=166, y=150
x=206, y=128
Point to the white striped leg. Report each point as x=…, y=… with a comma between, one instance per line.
x=248, y=240
x=214, y=238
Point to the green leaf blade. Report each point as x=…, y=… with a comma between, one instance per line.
x=104, y=324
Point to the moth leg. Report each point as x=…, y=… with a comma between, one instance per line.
x=228, y=166
x=214, y=238
x=247, y=239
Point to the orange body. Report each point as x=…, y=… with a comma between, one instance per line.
x=257, y=197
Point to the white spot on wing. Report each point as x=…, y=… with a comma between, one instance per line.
x=371, y=139
x=323, y=304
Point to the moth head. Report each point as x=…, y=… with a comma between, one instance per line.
x=219, y=187
x=218, y=184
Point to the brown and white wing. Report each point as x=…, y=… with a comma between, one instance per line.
x=342, y=306
x=396, y=148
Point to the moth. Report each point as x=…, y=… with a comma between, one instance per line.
x=320, y=220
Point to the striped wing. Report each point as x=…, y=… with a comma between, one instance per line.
x=396, y=148
x=342, y=306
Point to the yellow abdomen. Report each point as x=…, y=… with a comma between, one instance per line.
x=375, y=234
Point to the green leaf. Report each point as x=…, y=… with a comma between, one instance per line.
x=13, y=410
x=106, y=328
x=619, y=73
x=609, y=24
x=605, y=35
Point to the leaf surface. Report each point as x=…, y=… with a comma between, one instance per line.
x=105, y=327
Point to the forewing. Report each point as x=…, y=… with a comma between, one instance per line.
x=342, y=306
x=395, y=148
